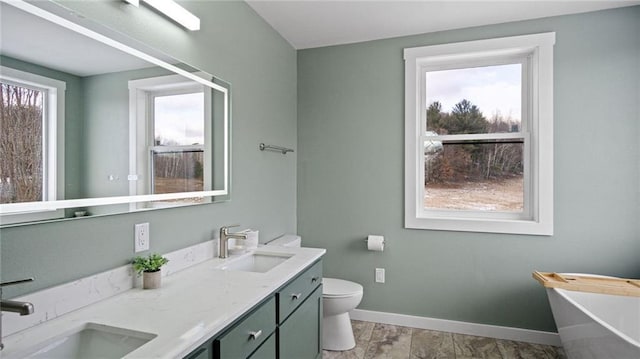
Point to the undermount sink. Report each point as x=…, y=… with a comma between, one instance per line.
x=256, y=262
x=89, y=341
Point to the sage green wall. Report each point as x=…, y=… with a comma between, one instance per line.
x=237, y=46
x=351, y=175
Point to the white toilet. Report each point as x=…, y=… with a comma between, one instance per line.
x=339, y=297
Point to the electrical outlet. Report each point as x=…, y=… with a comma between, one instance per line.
x=141, y=237
x=379, y=275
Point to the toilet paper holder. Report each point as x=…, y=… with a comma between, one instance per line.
x=378, y=243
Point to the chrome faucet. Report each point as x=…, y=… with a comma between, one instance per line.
x=224, y=238
x=22, y=308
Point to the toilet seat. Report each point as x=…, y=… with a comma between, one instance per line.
x=339, y=288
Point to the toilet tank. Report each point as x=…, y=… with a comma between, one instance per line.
x=287, y=240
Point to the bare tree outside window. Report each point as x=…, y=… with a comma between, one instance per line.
x=21, y=147
x=178, y=171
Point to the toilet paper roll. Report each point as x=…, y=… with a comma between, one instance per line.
x=375, y=243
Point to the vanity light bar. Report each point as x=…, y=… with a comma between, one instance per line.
x=174, y=11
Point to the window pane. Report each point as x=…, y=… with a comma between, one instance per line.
x=179, y=119
x=477, y=175
x=179, y=171
x=21, y=156
x=474, y=100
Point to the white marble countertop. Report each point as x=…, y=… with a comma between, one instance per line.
x=192, y=306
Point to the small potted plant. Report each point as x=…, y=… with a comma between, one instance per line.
x=149, y=267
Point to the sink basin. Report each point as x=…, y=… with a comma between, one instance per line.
x=89, y=341
x=256, y=262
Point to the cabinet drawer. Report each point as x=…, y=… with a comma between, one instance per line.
x=294, y=293
x=249, y=333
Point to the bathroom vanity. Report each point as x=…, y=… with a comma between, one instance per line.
x=287, y=324
x=219, y=308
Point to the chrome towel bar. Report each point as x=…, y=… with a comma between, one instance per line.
x=284, y=150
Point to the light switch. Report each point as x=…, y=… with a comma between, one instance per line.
x=379, y=275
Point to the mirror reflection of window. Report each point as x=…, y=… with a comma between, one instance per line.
x=174, y=137
x=31, y=130
x=178, y=152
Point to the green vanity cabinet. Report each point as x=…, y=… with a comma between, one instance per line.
x=286, y=325
x=300, y=336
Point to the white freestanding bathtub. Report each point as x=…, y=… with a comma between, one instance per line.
x=596, y=326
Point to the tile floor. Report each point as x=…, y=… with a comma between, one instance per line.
x=375, y=340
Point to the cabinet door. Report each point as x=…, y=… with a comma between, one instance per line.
x=300, y=336
x=267, y=350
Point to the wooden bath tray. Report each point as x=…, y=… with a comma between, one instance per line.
x=616, y=286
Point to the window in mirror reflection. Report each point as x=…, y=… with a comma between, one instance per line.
x=22, y=166
x=172, y=111
x=178, y=153
x=31, y=130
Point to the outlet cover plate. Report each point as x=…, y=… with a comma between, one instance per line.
x=379, y=275
x=141, y=237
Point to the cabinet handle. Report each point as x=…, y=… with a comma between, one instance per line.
x=314, y=279
x=296, y=296
x=255, y=335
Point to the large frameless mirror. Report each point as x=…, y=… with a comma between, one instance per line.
x=94, y=123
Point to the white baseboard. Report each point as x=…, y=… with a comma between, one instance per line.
x=452, y=326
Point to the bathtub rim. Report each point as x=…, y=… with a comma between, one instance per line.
x=564, y=293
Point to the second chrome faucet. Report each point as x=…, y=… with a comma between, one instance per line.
x=224, y=239
x=22, y=308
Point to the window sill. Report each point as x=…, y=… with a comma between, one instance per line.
x=542, y=227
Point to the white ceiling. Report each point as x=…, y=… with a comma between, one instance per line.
x=316, y=23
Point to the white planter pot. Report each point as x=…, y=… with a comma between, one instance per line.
x=151, y=280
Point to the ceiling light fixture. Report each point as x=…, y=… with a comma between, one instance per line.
x=174, y=11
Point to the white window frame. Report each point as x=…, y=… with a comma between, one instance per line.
x=141, y=135
x=535, y=53
x=52, y=143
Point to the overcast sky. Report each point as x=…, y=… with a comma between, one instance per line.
x=492, y=89
x=180, y=118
